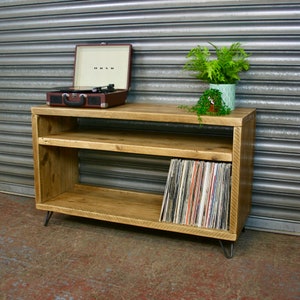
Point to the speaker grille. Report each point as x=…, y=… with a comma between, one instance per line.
x=55, y=99
x=94, y=100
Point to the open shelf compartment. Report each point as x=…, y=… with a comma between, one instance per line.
x=120, y=206
x=150, y=143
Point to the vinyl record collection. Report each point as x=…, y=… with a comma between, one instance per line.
x=197, y=193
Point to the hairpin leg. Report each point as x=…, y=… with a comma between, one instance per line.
x=48, y=217
x=227, y=252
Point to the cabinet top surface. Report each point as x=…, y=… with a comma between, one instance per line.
x=149, y=112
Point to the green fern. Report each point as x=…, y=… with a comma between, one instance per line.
x=224, y=69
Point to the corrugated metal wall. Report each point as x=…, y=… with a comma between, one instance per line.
x=37, y=41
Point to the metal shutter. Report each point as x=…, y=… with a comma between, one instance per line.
x=37, y=41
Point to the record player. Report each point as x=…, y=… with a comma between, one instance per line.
x=102, y=75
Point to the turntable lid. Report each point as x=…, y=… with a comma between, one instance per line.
x=100, y=65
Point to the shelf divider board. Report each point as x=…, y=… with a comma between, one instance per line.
x=185, y=146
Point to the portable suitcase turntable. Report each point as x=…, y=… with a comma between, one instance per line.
x=102, y=75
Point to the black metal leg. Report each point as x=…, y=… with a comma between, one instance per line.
x=48, y=217
x=227, y=252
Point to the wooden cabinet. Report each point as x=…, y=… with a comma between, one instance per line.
x=57, y=139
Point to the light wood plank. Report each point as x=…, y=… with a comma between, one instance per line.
x=148, y=112
x=185, y=146
x=124, y=207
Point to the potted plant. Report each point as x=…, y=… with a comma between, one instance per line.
x=210, y=103
x=222, y=72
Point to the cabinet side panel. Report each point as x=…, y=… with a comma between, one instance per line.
x=246, y=174
x=242, y=175
x=35, y=146
x=235, y=179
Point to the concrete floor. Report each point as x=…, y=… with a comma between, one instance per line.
x=75, y=258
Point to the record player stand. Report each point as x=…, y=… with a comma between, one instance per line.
x=57, y=140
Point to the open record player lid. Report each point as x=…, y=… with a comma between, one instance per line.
x=98, y=65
